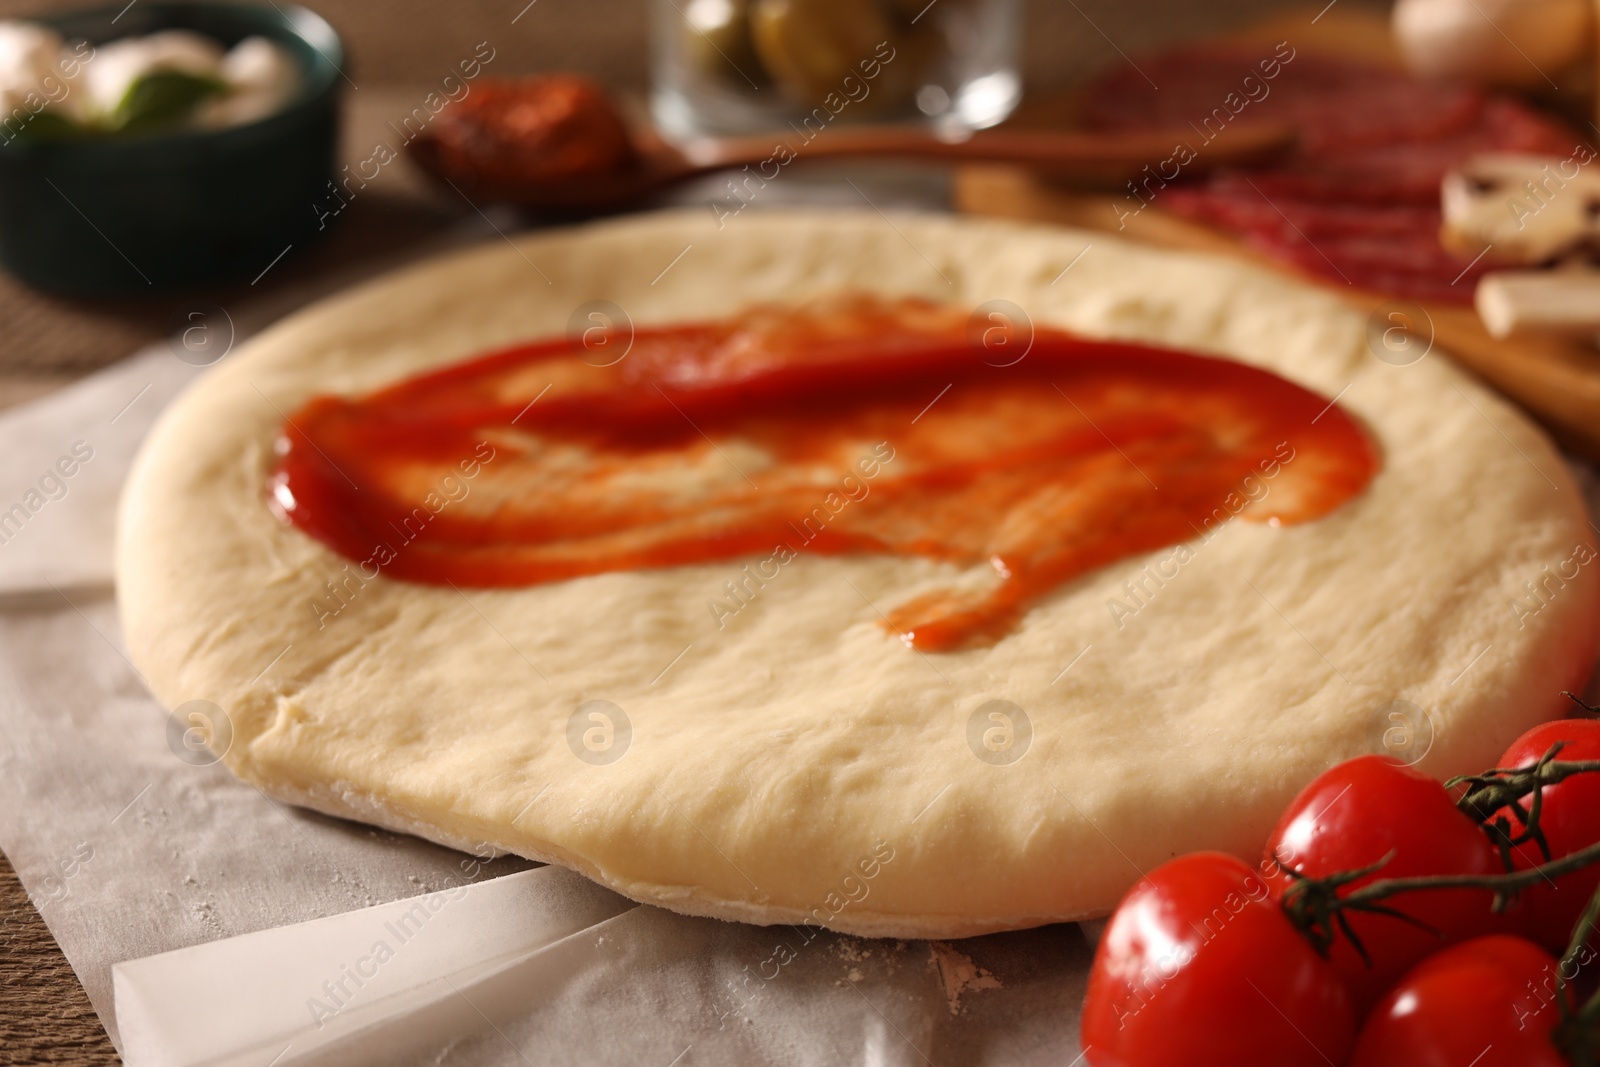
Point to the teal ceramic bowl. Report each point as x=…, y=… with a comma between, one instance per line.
x=184, y=209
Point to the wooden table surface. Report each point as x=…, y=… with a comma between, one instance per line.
x=44, y=1015
x=51, y=341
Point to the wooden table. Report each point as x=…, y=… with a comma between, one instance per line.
x=44, y=1015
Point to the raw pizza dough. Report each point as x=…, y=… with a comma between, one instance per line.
x=801, y=764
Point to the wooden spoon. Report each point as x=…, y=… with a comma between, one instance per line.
x=1073, y=156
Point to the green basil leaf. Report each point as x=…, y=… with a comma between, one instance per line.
x=162, y=98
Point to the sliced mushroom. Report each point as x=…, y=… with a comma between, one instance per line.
x=1565, y=301
x=1521, y=209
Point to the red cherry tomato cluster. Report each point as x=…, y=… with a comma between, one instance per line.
x=1211, y=961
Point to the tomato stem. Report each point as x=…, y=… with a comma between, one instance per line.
x=1314, y=905
x=1581, y=932
x=1504, y=886
x=1589, y=709
x=1503, y=788
x=1578, y=1034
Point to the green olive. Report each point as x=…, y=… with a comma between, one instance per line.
x=718, y=43
x=810, y=46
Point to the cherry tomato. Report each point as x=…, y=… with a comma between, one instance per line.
x=1487, y=1003
x=1354, y=815
x=1570, y=818
x=1198, y=966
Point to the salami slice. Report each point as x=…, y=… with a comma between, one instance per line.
x=1357, y=202
x=1409, y=267
x=1337, y=105
x=1234, y=203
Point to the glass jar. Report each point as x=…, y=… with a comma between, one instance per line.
x=743, y=66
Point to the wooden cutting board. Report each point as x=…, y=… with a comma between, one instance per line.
x=1557, y=380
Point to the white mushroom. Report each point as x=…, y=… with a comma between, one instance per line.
x=1515, y=43
x=1521, y=209
x=1540, y=301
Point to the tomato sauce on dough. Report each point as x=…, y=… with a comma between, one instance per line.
x=1024, y=456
